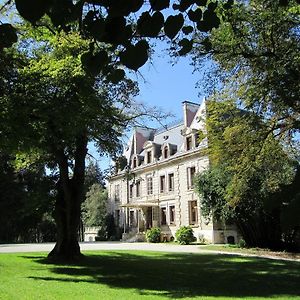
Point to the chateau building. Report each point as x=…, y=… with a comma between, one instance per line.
x=158, y=190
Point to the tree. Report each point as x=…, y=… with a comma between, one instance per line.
x=54, y=107
x=125, y=27
x=25, y=200
x=248, y=167
x=95, y=206
x=256, y=50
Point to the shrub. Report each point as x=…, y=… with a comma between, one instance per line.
x=185, y=235
x=153, y=235
x=242, y=244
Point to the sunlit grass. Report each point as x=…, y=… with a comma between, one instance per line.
x=148, y=275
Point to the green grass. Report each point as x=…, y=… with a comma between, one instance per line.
x=148, y=275
x=253, y=251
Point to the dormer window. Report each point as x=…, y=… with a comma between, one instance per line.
x=197, y=142
x=149, y=157
x=188, y=143
x=166, y=152
x=134, y=163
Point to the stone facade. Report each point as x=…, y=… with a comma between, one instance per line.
x=159, y=190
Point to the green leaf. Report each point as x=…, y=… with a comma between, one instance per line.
x=124, y=7
x=185, y=4
x=186, y=46
x=207, y=44
x=195, y=15
x=94, y=64
x=63, y=12
x=97, y=28
x=228, y=4
x=173, y=24
x=201, y=2
x=135, y=56
x=211, y=19
x=116, y=76
x=187, y=29
x=159, y=4
x=32, y=10
x=116, y=31
x=150, y=26
x=8, y=35
x=212, y=6
x=203, y=26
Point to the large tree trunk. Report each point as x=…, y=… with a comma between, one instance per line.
x=68, y=204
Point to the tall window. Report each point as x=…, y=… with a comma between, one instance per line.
x=190, y=177
x=172, y=214
x=193, y=212
x=117, y=192
x=117, y=217
x=149, y=157
x=162, y=182
x=166, y=152
x=138, y=188
x=149, y=185
x=131, y=218
x=197, y=142
x=171, y=181
x=189, y=143
x=130, y=190
x=134, y=162
x=163, y=216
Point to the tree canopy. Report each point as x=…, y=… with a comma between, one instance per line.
x=249, y=172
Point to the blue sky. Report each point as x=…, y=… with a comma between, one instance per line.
x=164, y=85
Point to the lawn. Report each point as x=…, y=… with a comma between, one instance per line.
x=148, y=275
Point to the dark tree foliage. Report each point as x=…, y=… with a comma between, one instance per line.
x=25, y=201
x=125, y=27
x=252, y=180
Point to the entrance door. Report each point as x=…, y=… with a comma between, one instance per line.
x=149, y=218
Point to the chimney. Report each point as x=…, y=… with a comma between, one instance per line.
x=189, y=112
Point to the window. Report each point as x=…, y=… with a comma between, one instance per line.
x=134, y=162
x=138, y=188
x=131, y=219
x=197, y=142
x=130, y=190
x=166, y=152
x=172, y=214
x=193, y=213
x=163, y=216
x=190, y=177
x=117, y=217
x=171, y=181
x=162, y=183
x=149, y=185
x=189, y=143
x=117, y=192
x=149, y=156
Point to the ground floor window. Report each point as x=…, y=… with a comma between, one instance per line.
x=163, y=216
x=172, y=214
x=131, y=219
x=193, y=212
x=117, y=217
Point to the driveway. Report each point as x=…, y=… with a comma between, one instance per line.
x=10, y=248
x=164, y=247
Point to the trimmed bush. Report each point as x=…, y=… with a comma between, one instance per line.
x=153, y=235
x=185, y=235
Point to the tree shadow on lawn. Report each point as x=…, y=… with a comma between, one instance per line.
x=183, y=275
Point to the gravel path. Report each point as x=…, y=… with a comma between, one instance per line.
x=10, y=248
